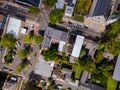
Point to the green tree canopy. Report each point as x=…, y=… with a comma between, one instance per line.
x=51, y=53
x=31, y=85
x=28, y=39
x=87, y=64
x=38, y=39
x=21, y=66
x=55, y=16
x=111, y=41
x=8, y=41
x=23, y=53
x=34, y=10
x=50, y=3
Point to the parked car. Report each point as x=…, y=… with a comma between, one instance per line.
x=59, y=86
x=6, y=70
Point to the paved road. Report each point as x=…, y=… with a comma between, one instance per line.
x=14, y=11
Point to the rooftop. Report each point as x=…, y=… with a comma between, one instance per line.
x=44, y=68
x=100, y=7
x=14, y=26
x=116, y=73
x=77, y=46
x=60, y=4
x=55, y=35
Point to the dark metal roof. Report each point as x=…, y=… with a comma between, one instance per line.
x=31, y=2
x=102, y=8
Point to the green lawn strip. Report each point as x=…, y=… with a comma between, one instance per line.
x=111, y=84
x=77, y=69
x=78, y=18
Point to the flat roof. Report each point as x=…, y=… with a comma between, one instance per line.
x=61, y=46
x=77, y=46
x=60, y=4
x=14, y=26
x=116, y=73
x=44, y=68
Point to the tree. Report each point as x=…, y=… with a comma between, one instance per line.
x=23, y=53
x=34, y=10
x=21, y=66
x=56, y=16
x=31, y=85
x=111, y=41
x=87, y=64
x=50, y=3
x=8, y=58
x=51, y=53
x=8, y=41
x=28, y=38
x=38, y=39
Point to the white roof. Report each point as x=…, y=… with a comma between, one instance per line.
x=60, y=4
x=116, y=73
x=61, y=46
x=13, y=26
x=23, y=31
x=44, y=68
x=77, y=46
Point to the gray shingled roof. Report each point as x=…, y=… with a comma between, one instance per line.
x=51, y=33
x=116, y=73
x=102, y=7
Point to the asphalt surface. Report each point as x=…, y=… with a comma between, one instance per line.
x=18, y=12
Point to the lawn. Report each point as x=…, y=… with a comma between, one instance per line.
x=78, y=18
x=83, y=6
x=111, y=84
x=78, y=71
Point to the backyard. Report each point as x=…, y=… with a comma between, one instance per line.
x=77, y=70
x=83, y=6
x=111, y=84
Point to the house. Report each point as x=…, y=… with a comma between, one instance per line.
x=60, y=4
x=77, y=48
x=86, y=84
x=14, y=26
x=98, y=15
x=90, y=47
x=116, y=73
x=36, y=3
x=70, y=7
x=54, y=36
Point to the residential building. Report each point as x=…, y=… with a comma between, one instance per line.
x=86, y=84
x=98, y=15
x=36, y=3
x=90, y=47
x=77, y=48
x=60, y=4
x=13, y=26
x=116, y=73
x=70, y=7
x=54, y=36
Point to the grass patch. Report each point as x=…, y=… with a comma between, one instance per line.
x=83, y=6
x=78, y=18
x=111, y=84
x=77, y=69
